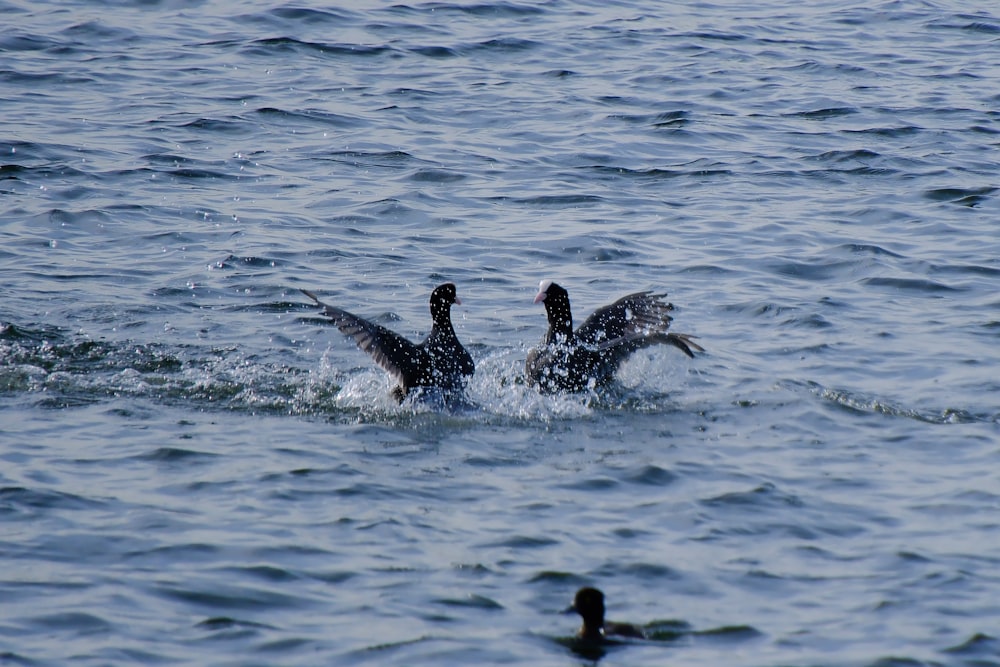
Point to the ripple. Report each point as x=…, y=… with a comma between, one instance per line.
x=472, y=601
x=522, y=542
x=889, y=132
x=647, y=571
x=197, y=174
x=652, y=475
x=823, y=114
x=16, y=499
x=847, y=155
x=896, y=661
x=216, y=623
x=765, y=495
x=967, y=269
x=22, y=42
x=911, y=285
x=225, y=597
x=729, y=633
x=864, y=403
x=979, y=644
x=231, y=125
x=868, y=249
x=592, y=484
x=558, y=577
x=987, y=27
x=266, y=573
x=311, y=16
x=492, y=9
x=667, y=630
x=436, y=176
x=961, y=196
x=810, y=270
x=652, y=173
x=94, y=30
x=80, y=622
x=45, y=80
x=174, y=455
x=317, y=116
x=274, y=46
x=500, y=45
x=559, y=201
x=440, y=52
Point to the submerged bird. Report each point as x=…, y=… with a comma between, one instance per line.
x=439, y=361
x=589, y=603
x=590, y=356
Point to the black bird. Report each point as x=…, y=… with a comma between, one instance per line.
x=590, y=357
x=439, y=361
x=589, y=603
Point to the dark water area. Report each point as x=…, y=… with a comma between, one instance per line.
x=196, y=468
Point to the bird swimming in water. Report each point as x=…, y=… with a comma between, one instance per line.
x=589, y=604
x=589, y=357
x=439, y=361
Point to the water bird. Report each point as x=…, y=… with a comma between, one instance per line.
x=590, y=356
x=439, y=361
x=589, y=604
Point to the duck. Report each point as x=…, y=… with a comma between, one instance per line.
x=439, y=361
x=588, y=358
x=589, y=604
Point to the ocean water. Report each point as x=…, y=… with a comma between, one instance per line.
x=197, y=469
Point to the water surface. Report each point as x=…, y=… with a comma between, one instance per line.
x=198, y=470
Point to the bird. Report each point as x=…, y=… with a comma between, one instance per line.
x=569, y=361
x=589, y=604
x=438, y=361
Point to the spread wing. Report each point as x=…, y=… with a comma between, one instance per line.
x=401, y=358
x=632, y=342
x=633, y=316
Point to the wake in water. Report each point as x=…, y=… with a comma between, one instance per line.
x=59, y=369
x=54, y=368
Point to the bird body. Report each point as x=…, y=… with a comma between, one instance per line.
x=590, y=357
x=438, y=361
x=589, y=604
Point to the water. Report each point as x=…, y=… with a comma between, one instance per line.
x=197, y=470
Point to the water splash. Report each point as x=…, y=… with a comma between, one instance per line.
x=64, y=369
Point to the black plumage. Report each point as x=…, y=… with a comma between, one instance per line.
x=590, y=356
x=439, y=361
x=589, y=603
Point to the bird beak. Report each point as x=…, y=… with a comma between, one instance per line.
x=569, y=610
x=458, y=301
x=539, y=297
